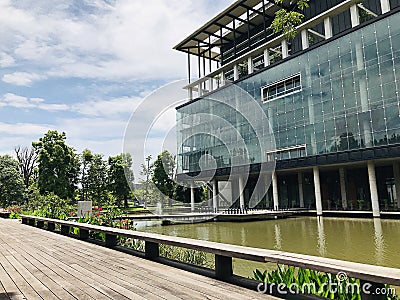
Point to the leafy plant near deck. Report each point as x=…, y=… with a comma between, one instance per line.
x=316, y=283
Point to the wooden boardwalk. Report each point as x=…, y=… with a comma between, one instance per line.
x=37, y=264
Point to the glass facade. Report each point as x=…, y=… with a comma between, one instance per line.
x=349, y=99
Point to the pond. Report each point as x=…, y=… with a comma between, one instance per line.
x=370, y=241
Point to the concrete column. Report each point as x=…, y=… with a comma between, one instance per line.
x=275, y=194
x=285, y=49
x=396, y=173
x=304, y=39
x=215, y=194
x=373, y=189
x=266, y=58
x=223, y=79
x=385, y=6
x=250, y=66
x=190, y=94
x=241, y=192
x=355, y=16
x=211, y=84
x=300, y=183
x=343, y=194
x=235, y=72
x=200, y=89
x=192, y=198
x=317, y=190
x=328, y=28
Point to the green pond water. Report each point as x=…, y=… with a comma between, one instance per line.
x=370, y=241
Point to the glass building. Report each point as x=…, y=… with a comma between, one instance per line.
x=318, y=116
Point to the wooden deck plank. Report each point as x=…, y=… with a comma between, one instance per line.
x=198, y=285
x=86, y=271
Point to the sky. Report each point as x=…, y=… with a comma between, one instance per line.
x=83, y=66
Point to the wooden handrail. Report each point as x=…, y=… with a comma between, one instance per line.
x=225, y=252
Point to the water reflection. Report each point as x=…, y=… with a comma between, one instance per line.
x=379, y=241
x=278, y=238
x=321, y=236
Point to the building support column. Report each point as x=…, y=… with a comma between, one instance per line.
x=354, y=15
x=275, y=194
x=342, y=180
x=200, y=89
x=266, y=58
x=241, y=193
x=222, y=79
x=328, y=28
x=396, y=175
x=300, y=183
x=304, y=39
x=215, y=195
x=317, y=190
x=385, y=6
x=250, y=66
x=373, y=189
x=190, y=94
x=211, y=84
x=235, y=72
x=192, y=198
x=285, y=49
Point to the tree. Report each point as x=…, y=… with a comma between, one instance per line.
x=27, y=162
x=97, y=179
x=58, y=165
x=85, y=160
x=147, y=172
x=286, y=21
x=12, y=188
x=120, y=177
x=164, y=168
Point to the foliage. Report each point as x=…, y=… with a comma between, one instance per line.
x=164, y=168
x=316, y=283
x=12, y=188
x=120, y=177
x=94, y=178
x=52, y=206
x=188, y=256
x=286, y=21
x=27, y=158
x=58, y=165
x=145, y=194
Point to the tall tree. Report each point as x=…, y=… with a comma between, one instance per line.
x=85, y=161
x=96, y=184
x=163, y=173
x=147, y=172
x=27, y=162
x=58, y=165
x=12, y=188
x=120, y=177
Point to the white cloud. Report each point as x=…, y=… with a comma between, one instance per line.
x=21, y=78
x=124, y=105
x=96, y=39
x=6, y=60
x=17, y=101
x=24, y=129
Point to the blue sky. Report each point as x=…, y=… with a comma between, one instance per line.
x=82, y=66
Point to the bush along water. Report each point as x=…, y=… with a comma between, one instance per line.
x=294, y=280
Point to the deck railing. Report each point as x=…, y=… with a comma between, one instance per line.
x=377, y=276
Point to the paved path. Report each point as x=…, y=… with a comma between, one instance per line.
x=37, y=264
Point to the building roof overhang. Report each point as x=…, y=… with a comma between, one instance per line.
x=233, y=21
